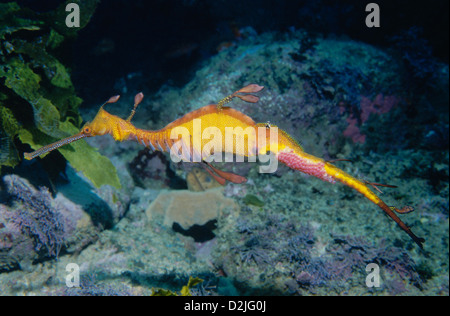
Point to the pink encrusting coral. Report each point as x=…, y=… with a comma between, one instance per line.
x=380, y=105
x=352, y=131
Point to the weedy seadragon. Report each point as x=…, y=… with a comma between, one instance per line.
x=218, y=118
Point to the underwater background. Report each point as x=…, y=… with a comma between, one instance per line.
x=135, y=223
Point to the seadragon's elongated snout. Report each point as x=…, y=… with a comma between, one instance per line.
x=55, y=145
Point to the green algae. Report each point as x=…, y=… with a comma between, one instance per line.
x=251, y=199
x=38, y=104
x=185, y=290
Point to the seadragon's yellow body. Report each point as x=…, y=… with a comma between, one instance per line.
x=202, y=132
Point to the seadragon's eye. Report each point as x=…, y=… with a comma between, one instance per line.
x=87, y=130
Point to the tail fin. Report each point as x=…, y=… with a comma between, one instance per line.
x=362, y=188
x=388, y=210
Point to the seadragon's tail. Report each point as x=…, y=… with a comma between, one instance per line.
x=363, y=188
x=291, y=153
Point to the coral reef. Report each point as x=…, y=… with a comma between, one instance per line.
x=91, y=285
x=186, y=209
x=36, y=218
x=35, y=226
x=309, y=265
x=278, y=234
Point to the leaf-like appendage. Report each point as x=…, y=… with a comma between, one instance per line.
x=113, y=99
x=248, y=98
x=251, y=88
